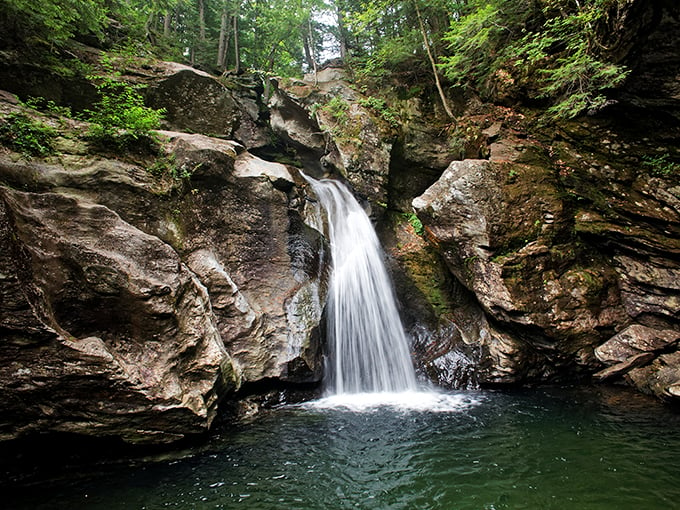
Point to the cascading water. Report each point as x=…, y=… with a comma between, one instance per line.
x=368, y=349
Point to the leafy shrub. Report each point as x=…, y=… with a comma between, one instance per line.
x=47, y=106
x=661, y=166
x=558, y=50
x=381, y=108
x=337, y=108
x=26, y=135
x=120, y=117
x=415, y=222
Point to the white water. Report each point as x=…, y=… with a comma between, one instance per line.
x=368, y=349
x=405, y=401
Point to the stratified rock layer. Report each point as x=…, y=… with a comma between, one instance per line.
x=562, y=251
x=97, y=321
x=136, y=295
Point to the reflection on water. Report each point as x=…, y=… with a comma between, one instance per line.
x=555, y=448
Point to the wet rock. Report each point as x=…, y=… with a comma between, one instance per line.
x=110, y=334
x=646, y=357
x=633, y=340
x=452, y=339
x=624, y=367
x=661, y=377
x=656, y=67
x=500, y=237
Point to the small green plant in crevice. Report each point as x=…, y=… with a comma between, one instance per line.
x=512, y=176
x=164, y=166
x=47, y=106
x=337, y=108
x=661, y=166
x=415, y=222
x=182, y=173
x=24, y=134
x=166, y=169
x=381, y=108
x=120, y=118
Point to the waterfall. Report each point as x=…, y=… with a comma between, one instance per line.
x=367, y=347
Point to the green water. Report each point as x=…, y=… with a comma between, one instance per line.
x=538, y=449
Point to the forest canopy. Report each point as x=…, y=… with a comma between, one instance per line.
x=565, y=52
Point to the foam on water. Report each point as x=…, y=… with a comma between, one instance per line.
x=407, y=401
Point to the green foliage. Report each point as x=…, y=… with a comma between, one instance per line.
x=387, y=40
x=415, y=222
x=512, y=175
x=337, y=107
x=560, y=51
x=166, y=166
x=662, y=165
x=53, y=21
x=381, y=108
x=556, y=48
x=473, y=40
x=120, y=117
x=47, y=106
x=21, y=133
x=577, y=75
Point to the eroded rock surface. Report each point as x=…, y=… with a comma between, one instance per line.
x=197, y=102
x=139, y=293
x=563, y=250
x=98, y=318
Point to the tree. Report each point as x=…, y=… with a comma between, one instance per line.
x=51, y=22
x=433, y=62
x=556, y=47
x=223, y=38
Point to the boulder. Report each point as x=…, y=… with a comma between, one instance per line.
x=105, y=331
x=197, y=102
x=138, y=293
x=636, y=339
x=243, y=230
x=357, y=141
x=645, y=357
x=500, y=228
x=452, y=339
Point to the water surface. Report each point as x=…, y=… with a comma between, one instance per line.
x=534, y=449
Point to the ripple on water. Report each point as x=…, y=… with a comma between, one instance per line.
x=553, y=449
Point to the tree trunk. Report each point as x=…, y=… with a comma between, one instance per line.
x=167, y=24
x=308, y=52
x=223, y=39
x=201, y=20
x=309, y=49
x=149, y=28
x=433, y=63
x=342, y=32
x=237, y=50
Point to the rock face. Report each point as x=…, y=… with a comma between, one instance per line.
x=244, y=234
x=474, y=217
x=356, y=142
x=134, y=300
x=563, y=250
x=97, y=317
x=197, y=102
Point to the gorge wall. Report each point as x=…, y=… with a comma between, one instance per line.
x=139, y=290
